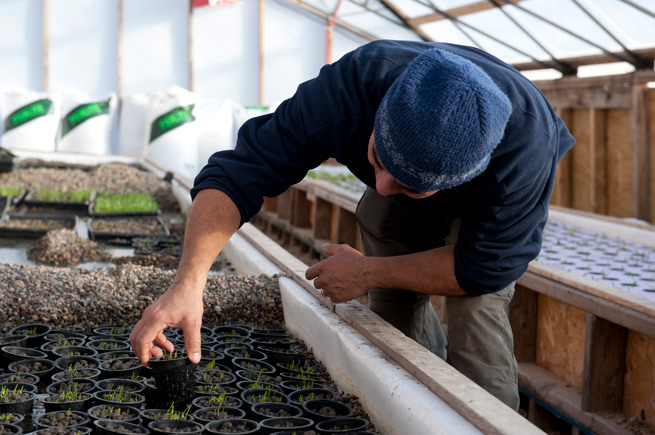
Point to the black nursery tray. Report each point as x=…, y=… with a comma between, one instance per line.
x=121, y=230
x=100, y=214
x=79, y=207
x=6, y=160
x=33, y=227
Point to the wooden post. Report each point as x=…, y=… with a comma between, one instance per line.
x=285, y=205
x=604, y=363
x=302, y=209
x=597, y=127
x=346, y=227
x=262, y=4
x=523, y=318
x=190, y=44
x=641, y=167
x=651, y=151
x=119, y=55
x=46, y=45
x=562, y=190
x=620, y=189
x=322, y=219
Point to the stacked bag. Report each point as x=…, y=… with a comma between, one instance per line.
x=174, y=127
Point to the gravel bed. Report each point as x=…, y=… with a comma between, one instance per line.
x=65, y=248
x=118, y=295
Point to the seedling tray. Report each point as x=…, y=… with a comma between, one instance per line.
x=79, y=207
x=6, y=160
x=33, y=227
x=121, y=230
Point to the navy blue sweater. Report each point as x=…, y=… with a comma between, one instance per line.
x=503, y=210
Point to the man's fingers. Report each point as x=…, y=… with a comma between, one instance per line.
x=312, y=272
x=192, y=343
x=142, y=339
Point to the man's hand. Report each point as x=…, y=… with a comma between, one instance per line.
x=175, y=308
x=342, y=275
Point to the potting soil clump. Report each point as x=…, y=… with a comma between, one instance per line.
x=118, y=295
x=65, y=248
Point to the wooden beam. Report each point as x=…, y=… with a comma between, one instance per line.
x=346, y=227
x=598, y=299
x=651, y=151
x=558, y=394
x=647, y=55
x=604, y=364
x=583, y=159
x=563, y=185
x=398, y=12
x=597, y=128
x=285, y=205
x=457, y=12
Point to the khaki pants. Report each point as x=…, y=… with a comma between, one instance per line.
x=479, y=343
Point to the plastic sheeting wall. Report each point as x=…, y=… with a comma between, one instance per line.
x=83, y=47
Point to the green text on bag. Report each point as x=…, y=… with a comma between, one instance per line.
x=171, y=120
x=25, y=114
x=81, y=113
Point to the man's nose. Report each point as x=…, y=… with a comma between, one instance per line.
x=385, y=184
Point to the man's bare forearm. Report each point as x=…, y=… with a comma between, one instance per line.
x=212, y=220
x=430, y=272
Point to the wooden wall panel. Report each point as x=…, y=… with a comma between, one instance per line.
x=561, y=339
x=620, y=194
x=639, y=381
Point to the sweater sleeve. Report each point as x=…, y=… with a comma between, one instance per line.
x=329, y=116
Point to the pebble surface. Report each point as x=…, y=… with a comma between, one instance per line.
x=119, y=295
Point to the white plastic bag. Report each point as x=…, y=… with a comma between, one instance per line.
x=86, y=123
x=132, y=125
x=30, y=119
x=216, y=129
x=172, y=131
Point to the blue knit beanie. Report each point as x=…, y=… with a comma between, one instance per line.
x=439, y=122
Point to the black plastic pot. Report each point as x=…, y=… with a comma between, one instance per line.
x=123, y=384
x=45, y=420
x=165, y=426
x=231, y=331
x=262, y=411
x=109, y=345
x=49, y=346
x=341, y=425
x=267, y=332
x=263, y=395
x=42, y=368
x=11, y=354
x=128, y=414
x=301, y=396
x=214, y=401
x=275, y=424
x=175, y=379
x=283, y=356
x=291, y=385
x=248, y=375
x=91, y=374
x=319, y=410
x=79, y=430
x=244, y=352
x=207, y=415
x=23, y=406
x=113, y=398
x=114, y=427
x=82, y=404
x=149, y=415
x=254, y=365
x=113, y=331
x=249, y=426
x=76, y=363
x=34, y=333
x=120, y=368
x=62, y=351
x=9, y=428
x=22, y=378
x=83, y=386
x=249, y=385
x=13, y=340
